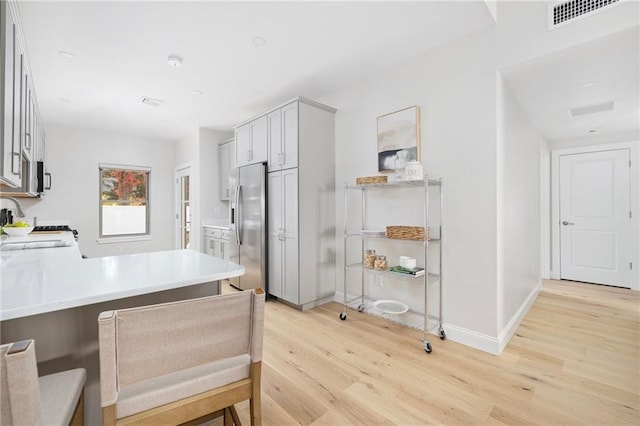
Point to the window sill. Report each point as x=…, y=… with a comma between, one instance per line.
x=128, y=239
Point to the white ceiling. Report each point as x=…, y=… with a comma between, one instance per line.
x=121, y=51
x=313, y=49
x=601, y=70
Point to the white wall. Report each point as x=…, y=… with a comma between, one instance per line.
x=73, y=155
x=200, y=150
x=519, y=213
x=456, y=88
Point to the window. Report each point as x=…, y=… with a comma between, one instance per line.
x=124, y=200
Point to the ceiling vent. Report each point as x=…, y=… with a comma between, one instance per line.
x=570, y=11
x=151, y=101
x=591, y=109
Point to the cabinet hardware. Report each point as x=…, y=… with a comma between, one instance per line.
x=13, y=155
x=565, y=223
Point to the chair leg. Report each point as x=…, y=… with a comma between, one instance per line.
x=255, y=403
x=228, y=419
x=234, y=414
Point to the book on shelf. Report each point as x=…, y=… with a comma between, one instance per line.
x=416, y=272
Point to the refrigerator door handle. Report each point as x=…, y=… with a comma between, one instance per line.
x=240, y=214
x=234, y=214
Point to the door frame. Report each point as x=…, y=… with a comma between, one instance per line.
x=634, y=203
x=192, y=204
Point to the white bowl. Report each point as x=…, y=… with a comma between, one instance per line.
x=15, y=231
x=407, y=262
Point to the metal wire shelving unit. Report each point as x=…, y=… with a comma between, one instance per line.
x=429, y=278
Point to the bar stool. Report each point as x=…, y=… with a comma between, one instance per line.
x=26, y=399
x=183, y=361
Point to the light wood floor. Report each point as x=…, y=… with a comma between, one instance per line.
x=575, y=359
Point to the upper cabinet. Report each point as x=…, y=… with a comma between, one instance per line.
x=22, y=145
x=11, y=57
x=251, y=142
x=283, y=138
x=226, y=163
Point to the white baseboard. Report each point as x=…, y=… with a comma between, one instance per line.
x=507, y=332
x=415, y=320
x=462, y=335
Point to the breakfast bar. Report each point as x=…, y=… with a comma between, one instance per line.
x=49, y=293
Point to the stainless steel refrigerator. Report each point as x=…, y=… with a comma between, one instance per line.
x=248, y=219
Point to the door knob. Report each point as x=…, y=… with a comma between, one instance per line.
x=565, y=223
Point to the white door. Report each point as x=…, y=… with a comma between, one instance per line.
x=183, y=208
x=595, y=220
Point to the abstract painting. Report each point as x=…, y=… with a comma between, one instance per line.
x=398, y=131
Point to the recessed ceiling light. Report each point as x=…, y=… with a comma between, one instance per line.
x=588, y=84
x=64, y=100
x=197, y=92
x=174, y=61
x=259, y=41
x=66, y=54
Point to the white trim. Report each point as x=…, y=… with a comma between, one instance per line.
x=124, y=166
x=471, y=338
x=130, y=239
x=509, y=330
x=415, y=320
x=634, y=202
x=176, y=203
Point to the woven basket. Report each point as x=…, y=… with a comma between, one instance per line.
x=408, y=233
x=368, y=180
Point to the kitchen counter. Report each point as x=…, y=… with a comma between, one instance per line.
x=43, y=280
x=222, y=225
x=54, y=296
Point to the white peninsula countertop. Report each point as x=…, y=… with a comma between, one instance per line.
x=37, y=281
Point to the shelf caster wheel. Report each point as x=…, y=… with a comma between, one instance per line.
x=427, y=347
x=361, y=308
x=343, y=316
x=443, y=335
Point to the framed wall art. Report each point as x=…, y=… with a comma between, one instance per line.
x=398, y=138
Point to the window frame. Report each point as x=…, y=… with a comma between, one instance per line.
x=114, y=238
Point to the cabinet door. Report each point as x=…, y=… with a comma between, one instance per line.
x=24, y=108
x=232, y=156
x=290, y=222
x=274, y=122
x=223, y=170
x=210, y=246
x=243, y=145
x=8, y=39
x=275, y=233
x=16, y=145
x=289, y=157
x=259, y=140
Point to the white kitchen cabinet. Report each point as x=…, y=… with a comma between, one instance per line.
x=22, y=143
x=11, y=57
x=301, y=204
x=226, y=163
x=217, y=242
x=251, y=142
x=283, y=137
x=284, y=278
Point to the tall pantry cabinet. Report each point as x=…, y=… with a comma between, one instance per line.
x=301, y=207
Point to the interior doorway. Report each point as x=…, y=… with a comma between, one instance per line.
x=183, y=186
x=593, y=224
